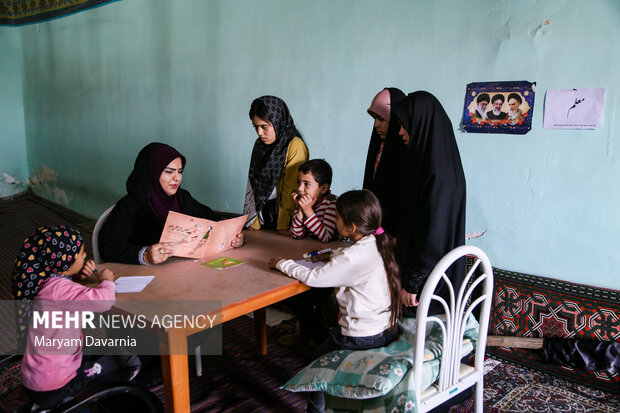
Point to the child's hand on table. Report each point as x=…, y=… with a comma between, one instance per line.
x=237, y=241
x=274, y=262
x=105, y=275
x=87, y=270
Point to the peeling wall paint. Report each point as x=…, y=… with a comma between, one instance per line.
x=10, y=186
x=44, y=175
x=45, y=184
x=99, y=85
x=9, y=180
x=472, y=235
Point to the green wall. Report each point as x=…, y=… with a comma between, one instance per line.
x=13, y=159
x=100, y=84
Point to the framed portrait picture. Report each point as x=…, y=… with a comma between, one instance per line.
x=499, y=107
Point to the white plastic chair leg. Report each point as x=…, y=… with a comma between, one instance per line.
x=198, y=361
x=479, y=396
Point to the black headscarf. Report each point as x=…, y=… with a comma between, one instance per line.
x=138, y=218
x=383, y=181
x=143, y=182
x=268, y=160
x=46, y=254
x=432, y=215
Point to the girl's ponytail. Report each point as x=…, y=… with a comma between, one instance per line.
x=387, y=247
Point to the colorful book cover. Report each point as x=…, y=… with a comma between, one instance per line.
x=222, y=263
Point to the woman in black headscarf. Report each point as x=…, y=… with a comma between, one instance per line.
x=276, y=157
x=385, y=152
x=132, y=230
x=432, y=216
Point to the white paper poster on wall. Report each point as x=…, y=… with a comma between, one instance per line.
x=574, y=109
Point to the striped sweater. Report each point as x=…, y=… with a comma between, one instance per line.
x=322, y=224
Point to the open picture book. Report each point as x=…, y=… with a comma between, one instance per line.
x=200, y=238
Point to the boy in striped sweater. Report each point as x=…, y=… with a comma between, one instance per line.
x=315, y=206
x=315, y=215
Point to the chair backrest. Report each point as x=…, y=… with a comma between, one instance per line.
x=457, y=312
x=98, y=225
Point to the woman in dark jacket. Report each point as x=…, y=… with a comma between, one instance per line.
x=132, y=230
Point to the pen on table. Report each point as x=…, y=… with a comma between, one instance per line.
x=315, y=253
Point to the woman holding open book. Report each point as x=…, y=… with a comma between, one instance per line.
x=132, y=231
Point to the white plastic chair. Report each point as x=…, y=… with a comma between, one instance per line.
x=454, y=377
x=98, y=225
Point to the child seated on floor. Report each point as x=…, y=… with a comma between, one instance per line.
x=42, y=281
x=315, y=209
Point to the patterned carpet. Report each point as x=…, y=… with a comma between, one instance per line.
x=514, y=389
x=240, y=380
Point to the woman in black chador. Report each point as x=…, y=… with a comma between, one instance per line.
x=431, y=219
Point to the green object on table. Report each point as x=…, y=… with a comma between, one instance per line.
x=223, y=263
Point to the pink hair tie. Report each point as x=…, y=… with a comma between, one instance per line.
x=379, y=231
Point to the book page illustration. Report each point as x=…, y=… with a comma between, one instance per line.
x=197, y=237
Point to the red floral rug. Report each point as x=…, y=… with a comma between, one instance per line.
x=530, y=306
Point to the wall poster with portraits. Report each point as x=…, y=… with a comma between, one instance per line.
x=499, y=107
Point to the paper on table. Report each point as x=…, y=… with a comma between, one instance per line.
x=132, y=284
x=197, y=237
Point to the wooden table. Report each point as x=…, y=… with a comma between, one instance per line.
x=249, y=287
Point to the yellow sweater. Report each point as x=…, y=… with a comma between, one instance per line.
x=296, y=154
